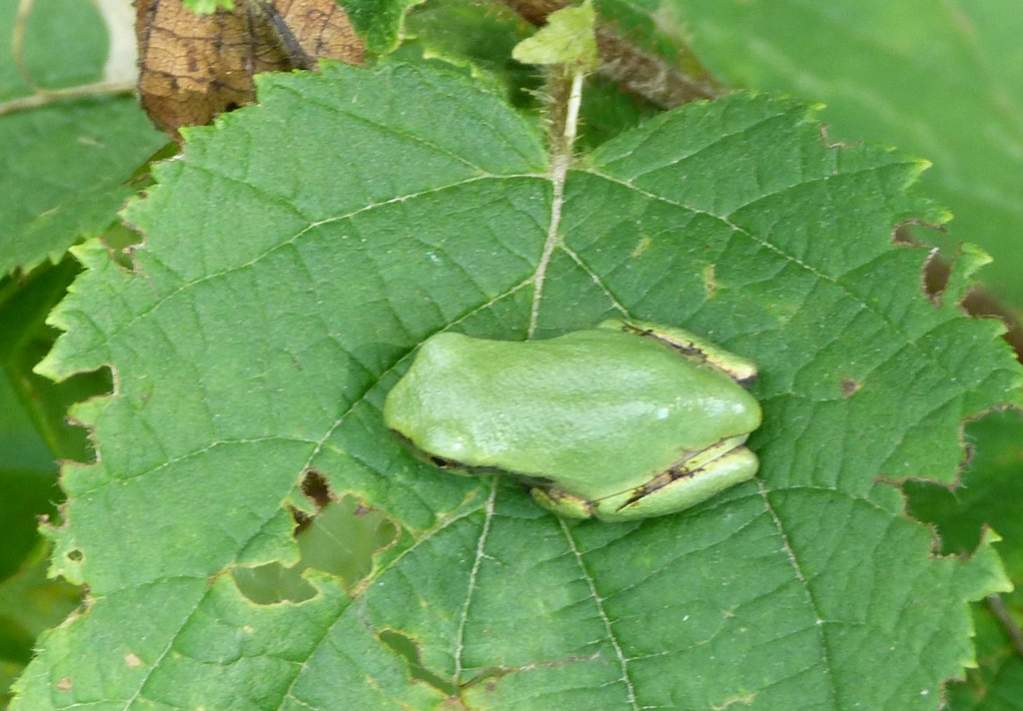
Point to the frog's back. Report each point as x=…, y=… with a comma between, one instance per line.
x=591, y=407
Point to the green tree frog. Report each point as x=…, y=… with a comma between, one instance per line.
x=627, y=420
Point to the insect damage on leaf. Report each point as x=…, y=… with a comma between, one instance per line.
x=343, y=538
x=193, y=67
x=316, y=488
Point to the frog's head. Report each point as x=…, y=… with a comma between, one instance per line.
x=422, y=407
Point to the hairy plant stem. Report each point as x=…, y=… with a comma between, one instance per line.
x=633, y=69
x=565, y=93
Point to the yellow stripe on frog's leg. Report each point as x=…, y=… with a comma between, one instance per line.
x=689, y=344
x=680, y=493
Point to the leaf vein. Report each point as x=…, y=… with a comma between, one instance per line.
x=811, y=600
x=473, y=574
x=630, y=690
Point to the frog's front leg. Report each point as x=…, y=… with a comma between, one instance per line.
x=694, y=347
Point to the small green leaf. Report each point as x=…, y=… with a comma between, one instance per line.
x=208, y=7
x=257, y=343
x=477, y=36
x=567, y=38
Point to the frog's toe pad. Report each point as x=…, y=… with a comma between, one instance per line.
x=561, y=503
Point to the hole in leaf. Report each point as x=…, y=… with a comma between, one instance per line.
x=977, y=301
x=273, y=583
x=343, y=537
x=936, y=275
x=340, y=539
x=25, y=302
x=120, y=240
x=980, y=303
x=979, y=499
x=407, y=649
x=142, y=178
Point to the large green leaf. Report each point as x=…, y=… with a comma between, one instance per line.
x=942, y=79
x=64, y=164
x=286, y=279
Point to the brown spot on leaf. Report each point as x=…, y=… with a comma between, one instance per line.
x=315, y=486
x=316, y=489
x=641, y=246
x=849, y=387
x=827, y=141
x=193, y=67
x=710, y=281
x=132, y=660
x=64, y=684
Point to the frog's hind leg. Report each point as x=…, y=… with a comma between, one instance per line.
x=679, y=490
x=690, y=345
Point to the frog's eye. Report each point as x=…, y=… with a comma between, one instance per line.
x=423, y=456
x=440, y=462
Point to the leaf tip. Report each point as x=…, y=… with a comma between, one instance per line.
x=569, y=37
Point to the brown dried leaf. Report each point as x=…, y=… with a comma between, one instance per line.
x=193, y=67
x=312, y=29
